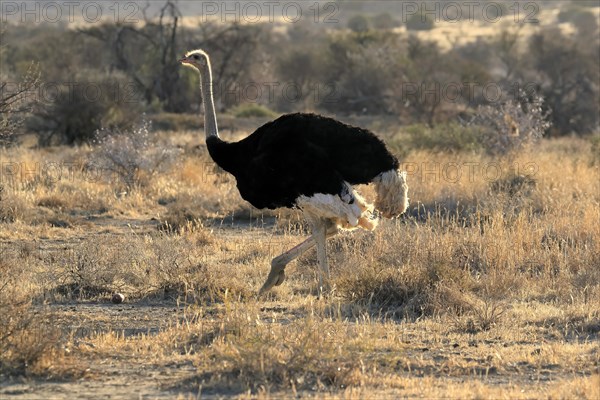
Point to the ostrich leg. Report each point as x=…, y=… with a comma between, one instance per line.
x=278, y=264
x=277, y=273
x=320, y=234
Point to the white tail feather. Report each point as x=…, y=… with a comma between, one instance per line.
x=348, y=211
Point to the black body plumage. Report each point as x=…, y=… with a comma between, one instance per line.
x=300, y=154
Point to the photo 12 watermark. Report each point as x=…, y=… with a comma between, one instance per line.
x=269, y=92
x=258, y=12
x=272, y=92
x=471, y=11
x=250, y=12
x=466, y=171
x=75, y=92
x=260, y=92
x=468, y=91
x=131, y=12
x=53, y=12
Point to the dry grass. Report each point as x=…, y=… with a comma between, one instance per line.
x=489, y=287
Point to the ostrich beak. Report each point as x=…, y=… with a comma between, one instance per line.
x=183, y=60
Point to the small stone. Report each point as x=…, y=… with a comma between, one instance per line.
x=117, y=298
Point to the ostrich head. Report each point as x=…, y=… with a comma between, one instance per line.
x=195, y=58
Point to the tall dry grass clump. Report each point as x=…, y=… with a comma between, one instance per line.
x=482, y=243
x=305, y=354
x=162, y=266
x=30, y=344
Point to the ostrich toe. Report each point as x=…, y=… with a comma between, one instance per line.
x=275, y=278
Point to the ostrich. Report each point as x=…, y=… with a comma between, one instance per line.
x=309, y=162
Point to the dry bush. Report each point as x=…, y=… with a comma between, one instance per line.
x=52, y=201
x=29, y=342
x=477, y=313
x=12, y=208
x=132, y=155
x=95, y=269
x=159, y=266
x=307, y=354
x=185, y=212
x=388, y=292
x=182, y=266
x=85, y=272
x=513, y=124
x=392, y=279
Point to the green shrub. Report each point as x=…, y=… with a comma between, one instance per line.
x=248, y=110
x=572, y=14
x=75, y=112
x=444, y=137
x=419, y=22
x=176, y=122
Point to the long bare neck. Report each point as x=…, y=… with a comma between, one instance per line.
x=210, y=117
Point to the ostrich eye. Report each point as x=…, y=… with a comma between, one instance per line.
x=196, y=56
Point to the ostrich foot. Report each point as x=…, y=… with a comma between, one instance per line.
x=275, y=278
x=280, y=278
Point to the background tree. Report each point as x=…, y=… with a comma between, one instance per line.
x=569, y=81
x=359, y=65
x=384, y=21
x=148, y=55
x=369, y=68
x=358, y=23
x=16, y=97
x=417, y=84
